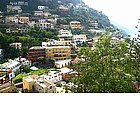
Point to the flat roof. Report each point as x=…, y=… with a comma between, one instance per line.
x=66, y=70
x=28, y=78
x=37, y=47
x=57, y=47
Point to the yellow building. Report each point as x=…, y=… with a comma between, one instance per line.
x=58, y=52
x=23, y=19
x=28, y=82
x=35, y=83
x=75, y=24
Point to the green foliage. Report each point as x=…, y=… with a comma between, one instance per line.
x=104, y=69
x=19, y=77
x=58, y=84
x=41, y=59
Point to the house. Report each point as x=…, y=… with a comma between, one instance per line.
x=63, y=8
x=16, y=45
x=63, y=26
x=23, y=61
x=42, y=8
x=44, y=24
x=75, y=25
x=94, y=24
x=54, y=76
x=38, y=13
x=65, y=34
x=12, y=19
x=79, y=39
x=38, y=84
x=28, y=82
x=11, y=66
x=23, y=19
x=35, y=52
x=58, y=52
x=62, y=63
x=14, y=8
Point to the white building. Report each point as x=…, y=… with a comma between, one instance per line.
x=64, y=33
x=53, y=76
x=12, y=19
x=44, y=86
x=78, y=39
x=43, y=24
x=11, y=66
x=38, y=13
x=62, y=63
x=16, y=45
x=41, y=7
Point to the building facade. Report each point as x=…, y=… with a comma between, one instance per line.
x=75, y=25
x=35, y=52
x=58, y=52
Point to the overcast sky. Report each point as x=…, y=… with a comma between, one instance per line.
x=124, y=12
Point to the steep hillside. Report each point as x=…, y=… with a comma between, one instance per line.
x=83, y=13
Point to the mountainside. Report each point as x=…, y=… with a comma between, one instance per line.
x=83, y=13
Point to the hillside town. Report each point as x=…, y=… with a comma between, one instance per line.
x=47, y=64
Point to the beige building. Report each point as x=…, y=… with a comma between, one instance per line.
x=7, y=88
x=35, y=83
x=12, y=19
x=28, y=82
x=58, y=52
x=23, y=19
x=43, y=85
x=75, y=25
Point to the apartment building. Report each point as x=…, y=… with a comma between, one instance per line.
x=58, y=52
x=78, y=39
x=60, y=42
x=66, y=34
x=11, y=66
x=75, y=25
x=35, y=52
x=94, y=24
x=44, y=24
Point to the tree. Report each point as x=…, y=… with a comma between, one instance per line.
x=41, y=59
x=104, y=69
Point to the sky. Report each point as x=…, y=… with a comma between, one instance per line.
x=123, y=12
